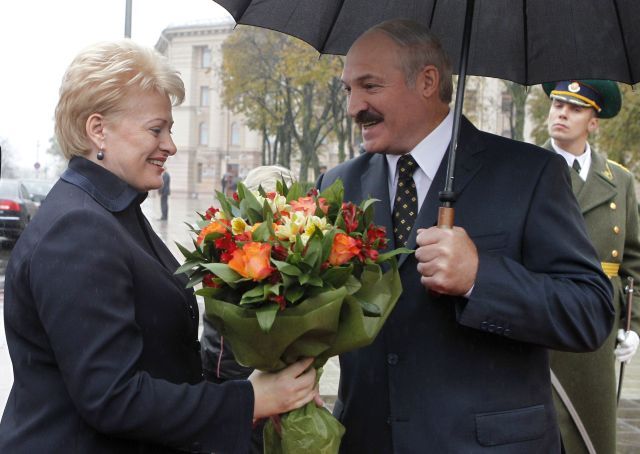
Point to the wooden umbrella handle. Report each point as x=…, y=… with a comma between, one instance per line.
x=446, y=217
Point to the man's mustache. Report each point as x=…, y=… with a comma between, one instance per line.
x=367, y=116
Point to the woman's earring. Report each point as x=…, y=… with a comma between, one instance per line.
x=100, y=155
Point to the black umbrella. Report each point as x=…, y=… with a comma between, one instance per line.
x=526, y=41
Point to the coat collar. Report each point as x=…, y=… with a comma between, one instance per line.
x=103, y=186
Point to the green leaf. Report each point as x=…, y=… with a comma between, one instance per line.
x=334, y=193
x=337, y=276
x=286, y=268
x=225, y=206
x=368, y=212
x=223, y=271
x=313, y=255
x=185, y=252
x=387, y=255
x=352, y=285
x=195, y=280
x=186, y=266
x=369, y=309
x=295, y=192
x=209, y=292
x=253, y=296
x=293, y=294
x=266, y=315
x=262, y=233
x=327, y=244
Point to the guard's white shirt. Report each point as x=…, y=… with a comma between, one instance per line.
x=584, y=159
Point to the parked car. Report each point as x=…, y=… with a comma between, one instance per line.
x=38, y=189
x=16, y=208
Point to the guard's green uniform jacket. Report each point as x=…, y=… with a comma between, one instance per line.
x=608, y=203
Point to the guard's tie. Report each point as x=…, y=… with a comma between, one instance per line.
x=576, y=166
x=405, y=207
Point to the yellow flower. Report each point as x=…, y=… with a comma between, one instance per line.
x=291, y=226
x=238, y=226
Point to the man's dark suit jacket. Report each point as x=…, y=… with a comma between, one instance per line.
x=103, y=336
x=451, y=375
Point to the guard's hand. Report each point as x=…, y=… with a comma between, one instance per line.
x=447, y=260
x=627, y=345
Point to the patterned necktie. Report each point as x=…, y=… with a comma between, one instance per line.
x=405, y=207
x=576, y=166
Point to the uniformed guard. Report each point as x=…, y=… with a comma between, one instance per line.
x=585, y=383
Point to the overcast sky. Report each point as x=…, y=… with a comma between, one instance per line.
x=38, y=40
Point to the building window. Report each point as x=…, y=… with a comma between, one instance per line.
x=199, y=173
x=203, y=134
x=204, y=96
x=235, y=134
x=205, y=57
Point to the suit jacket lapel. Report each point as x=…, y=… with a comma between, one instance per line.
x=375, y=184
x=467, y=165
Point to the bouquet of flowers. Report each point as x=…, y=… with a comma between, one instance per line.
x=291, y=274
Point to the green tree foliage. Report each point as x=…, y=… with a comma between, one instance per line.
x=538, y=105
x=286, y=91
x=619, y=137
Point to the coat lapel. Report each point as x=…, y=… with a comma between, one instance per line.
x=374, y=184
x=467, y=165
x=601, y=187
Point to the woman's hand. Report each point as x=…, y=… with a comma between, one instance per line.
x=283, y=391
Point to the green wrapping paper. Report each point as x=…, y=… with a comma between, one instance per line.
x=322, y=326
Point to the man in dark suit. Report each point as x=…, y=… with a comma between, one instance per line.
x=461, y=364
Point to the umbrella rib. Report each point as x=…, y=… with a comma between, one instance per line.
x=433, y=13
x=333, y=24
x=526, y=41
x=624, y=42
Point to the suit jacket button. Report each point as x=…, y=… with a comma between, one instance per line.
x=492, y=328
x=613, y=206
x=616, y=230
x=507, y=331
x=614, y=253
x=392, y=359
x=483, y=326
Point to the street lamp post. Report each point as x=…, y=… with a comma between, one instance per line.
x=127, y=20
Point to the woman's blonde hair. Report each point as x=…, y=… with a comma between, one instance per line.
x=100, y=78
x=267, y=176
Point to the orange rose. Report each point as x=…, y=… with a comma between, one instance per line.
x=252, y=261
x=217, y=226
x=343, y=249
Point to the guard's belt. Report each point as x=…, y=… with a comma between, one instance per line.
x=610, y=268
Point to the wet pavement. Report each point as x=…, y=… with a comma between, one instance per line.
x=182, y=209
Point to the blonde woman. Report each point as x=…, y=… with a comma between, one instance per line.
x=102, y=335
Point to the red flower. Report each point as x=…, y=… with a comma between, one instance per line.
x=350, y=215
x=312, y=192
x=235, y=197
x=323, y=205
x=210, y=213
x=280, y=300
x=279, y=252
x=207, y=281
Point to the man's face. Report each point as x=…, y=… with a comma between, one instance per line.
x=393, y=116
x=569, y=124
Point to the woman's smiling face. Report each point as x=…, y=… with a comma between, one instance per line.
x=137, y=139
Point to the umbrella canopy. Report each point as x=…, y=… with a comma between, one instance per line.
x=528, y=41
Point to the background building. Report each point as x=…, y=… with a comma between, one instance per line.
x=212, y=141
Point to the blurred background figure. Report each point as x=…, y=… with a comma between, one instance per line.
x=165, y=192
